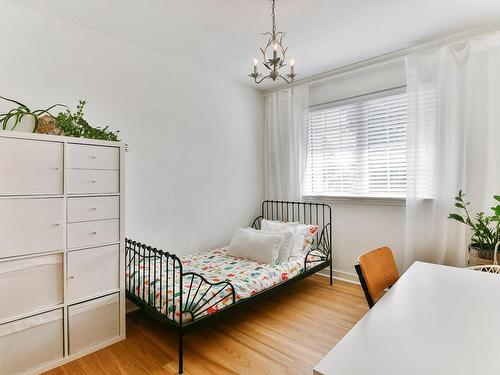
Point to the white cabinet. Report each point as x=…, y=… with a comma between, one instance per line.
x=28, y=285
x=31, y=342
x=30, y=226
x=93, y=322
x=93, y=272
x=30, y=167
x=62, y=287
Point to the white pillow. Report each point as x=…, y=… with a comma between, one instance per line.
x=276, y=226
x=255, y=245
x=303, y=238
x=286, y=246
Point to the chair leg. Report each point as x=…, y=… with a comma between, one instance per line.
x=181, y=353
x=362, y=281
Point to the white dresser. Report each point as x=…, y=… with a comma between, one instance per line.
x=62, y=292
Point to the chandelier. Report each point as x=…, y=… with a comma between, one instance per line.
x=276, y=61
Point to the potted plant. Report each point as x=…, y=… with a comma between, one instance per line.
x=42, y=121
x=485, y=230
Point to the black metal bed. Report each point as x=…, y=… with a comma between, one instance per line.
x=191, y=301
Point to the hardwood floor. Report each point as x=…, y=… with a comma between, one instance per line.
x=287, y=333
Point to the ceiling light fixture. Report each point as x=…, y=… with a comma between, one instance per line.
x=277, y=61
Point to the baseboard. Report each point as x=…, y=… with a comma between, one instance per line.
x=341, y=275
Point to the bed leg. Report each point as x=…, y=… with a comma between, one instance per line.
x=181, y=353
x=331, y=272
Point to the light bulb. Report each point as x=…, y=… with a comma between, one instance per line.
x=255, y=62
x=292, y=62
x=275, y=47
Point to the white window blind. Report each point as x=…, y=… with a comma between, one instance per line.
x=357, y=147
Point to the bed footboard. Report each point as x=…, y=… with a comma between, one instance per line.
x=157, y=279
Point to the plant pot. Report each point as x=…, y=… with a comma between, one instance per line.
x=479, y=257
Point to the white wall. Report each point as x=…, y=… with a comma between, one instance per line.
x=360, y=225
x=363, y=226
x=194, y=170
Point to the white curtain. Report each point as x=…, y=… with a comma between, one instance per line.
x=453, y=143
x=285, y=142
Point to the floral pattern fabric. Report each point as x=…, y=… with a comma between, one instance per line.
x=162, y=290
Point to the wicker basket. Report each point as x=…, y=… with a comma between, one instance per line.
x=479, y=257
x=486, y=267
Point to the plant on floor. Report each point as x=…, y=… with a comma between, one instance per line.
x=15, y=115
x=486, y=229
x=75, y=125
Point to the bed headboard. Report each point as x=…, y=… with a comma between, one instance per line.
x=319, y=214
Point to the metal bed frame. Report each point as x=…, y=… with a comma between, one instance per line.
x=194, y=304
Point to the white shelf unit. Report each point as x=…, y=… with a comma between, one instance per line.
x=62, y=288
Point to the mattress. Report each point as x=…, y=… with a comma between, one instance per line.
x=200, y=298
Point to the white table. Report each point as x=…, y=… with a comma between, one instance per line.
x=435, y=320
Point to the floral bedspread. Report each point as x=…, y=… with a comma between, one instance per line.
x=200, y=298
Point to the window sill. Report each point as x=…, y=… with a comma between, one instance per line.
x=376, y=201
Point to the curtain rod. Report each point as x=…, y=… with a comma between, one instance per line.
x=391, y=57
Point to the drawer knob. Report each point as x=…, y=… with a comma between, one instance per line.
x=57, y=224
x=92, y=181
x=93, y=157
x=71, y=277
x=93, y=209
x=94, y=232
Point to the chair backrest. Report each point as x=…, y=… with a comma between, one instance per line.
x=377, y=271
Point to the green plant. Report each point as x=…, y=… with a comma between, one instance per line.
x=74, y=125
x=486, y=229
x=21, y=111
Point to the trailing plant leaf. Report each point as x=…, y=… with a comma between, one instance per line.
x=74, y=125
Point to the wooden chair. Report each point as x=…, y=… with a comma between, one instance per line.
x=377, y=271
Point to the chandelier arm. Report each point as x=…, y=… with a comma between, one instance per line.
x=286, y=80
x=260, y=80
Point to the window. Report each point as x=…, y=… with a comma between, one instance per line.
x=357, y=147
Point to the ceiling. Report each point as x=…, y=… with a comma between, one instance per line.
x=223, y=36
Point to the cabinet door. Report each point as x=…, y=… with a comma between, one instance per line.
x=30, y=167
x=42, y=276
x=93, y=181
x=93, y=272
x=93, y=322
x=93, y=233
x=93, y=208
x=30, y=226
x=93, y=157
x=31, y=342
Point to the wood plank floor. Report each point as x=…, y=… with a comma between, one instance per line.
x=287, y=333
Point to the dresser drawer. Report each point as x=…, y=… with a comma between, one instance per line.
x=91, y=233
x=93, y=157
x=30, y=167
x=30, y=284
x=95, y=208
x=31, y=342
x=93, y=272
x=30, y=226
x=93, y=322
x=83, y=181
